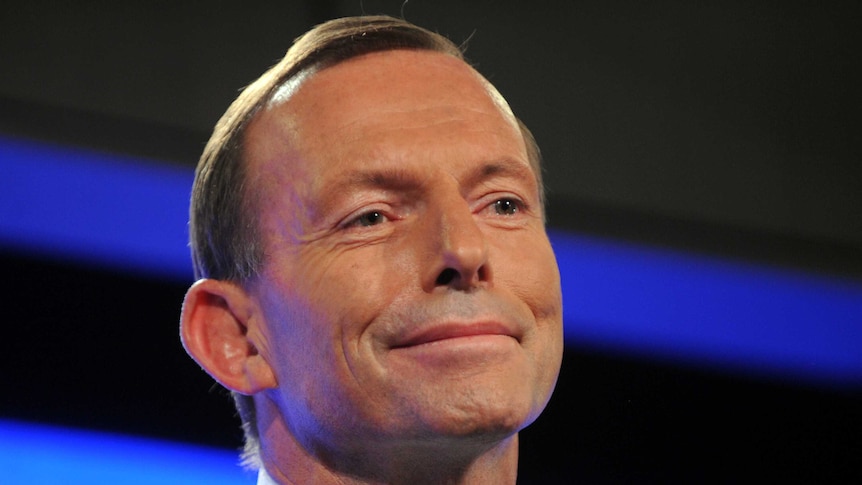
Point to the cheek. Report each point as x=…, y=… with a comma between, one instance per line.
x=531, y=273
x=321, y=317
x=349, y=287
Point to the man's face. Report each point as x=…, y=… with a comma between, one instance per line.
x=409, y=290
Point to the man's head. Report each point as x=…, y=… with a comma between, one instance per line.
x=369, y=218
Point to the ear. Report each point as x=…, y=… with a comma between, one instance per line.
x=214, y=328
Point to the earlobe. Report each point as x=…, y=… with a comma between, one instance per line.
x=216, y=320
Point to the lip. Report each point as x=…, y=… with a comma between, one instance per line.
x=454, y=330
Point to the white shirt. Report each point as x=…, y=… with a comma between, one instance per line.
x=263, y=478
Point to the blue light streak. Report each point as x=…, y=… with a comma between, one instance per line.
x=106, y=209
x=724, y=314
x=39, y=454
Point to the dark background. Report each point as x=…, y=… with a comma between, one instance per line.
x=725, y=128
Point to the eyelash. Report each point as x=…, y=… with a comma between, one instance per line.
x=368, y=218
x=498, y=206
x=362, y=220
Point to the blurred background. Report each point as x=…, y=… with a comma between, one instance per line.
x=704, y=170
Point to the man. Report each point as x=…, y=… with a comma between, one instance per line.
x=377, y=288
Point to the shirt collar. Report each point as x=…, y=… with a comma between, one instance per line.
x=263, y=478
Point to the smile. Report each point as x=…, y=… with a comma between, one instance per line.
x=453, y=331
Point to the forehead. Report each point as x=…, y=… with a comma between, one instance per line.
x=395, y=101
x=383, y=82
x=395, y=76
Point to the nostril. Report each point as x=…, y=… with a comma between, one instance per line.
x=446, y=276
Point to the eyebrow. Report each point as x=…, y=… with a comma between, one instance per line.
x=390, y=178
x=502, y=168
x=397, y=179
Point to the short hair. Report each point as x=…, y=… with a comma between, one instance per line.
x=223, y=227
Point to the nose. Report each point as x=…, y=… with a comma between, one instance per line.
x=459, y=250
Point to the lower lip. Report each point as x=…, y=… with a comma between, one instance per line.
x=458, y=351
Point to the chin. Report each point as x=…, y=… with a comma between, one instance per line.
x=492, y=415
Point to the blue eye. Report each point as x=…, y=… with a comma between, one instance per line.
x=506, y=207
x=371, y=218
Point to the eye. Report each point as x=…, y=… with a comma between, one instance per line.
x=370, y=218
x=506, y=207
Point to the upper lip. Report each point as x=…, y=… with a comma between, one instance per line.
x=448, y=330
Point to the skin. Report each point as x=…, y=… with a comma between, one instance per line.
x=407, y=322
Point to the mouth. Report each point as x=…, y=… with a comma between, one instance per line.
x=461, y=348
x=454, y=331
